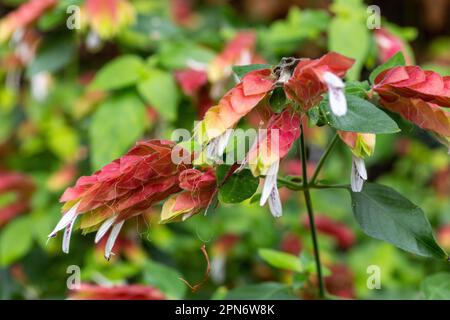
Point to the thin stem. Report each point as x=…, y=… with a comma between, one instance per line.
x=324, y=158
x=311, y=216
x=290, y=184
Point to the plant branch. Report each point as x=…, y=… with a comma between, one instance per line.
x=311, y=215
x=324, y=158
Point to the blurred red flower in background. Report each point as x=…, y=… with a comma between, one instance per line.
x=389, y=44
x=343, y=235
x=26, y=14
x=122, y=292
x=21, y=188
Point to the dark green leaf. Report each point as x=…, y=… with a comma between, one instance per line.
x=281, y=260
x=396, y=60
x=262, y=291
x=121, y=118
x=385, y=214
x=278, y=100
x=119, y=73
x=362, y=116
x=436, y=286
x=238, y=187
x=241, y=71
x=53, y=55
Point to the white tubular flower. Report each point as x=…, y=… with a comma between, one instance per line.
x=338, y=102
x=216, y=147
x=358, y=175
x=66, y=219
x=112, y=238
x=270, y=191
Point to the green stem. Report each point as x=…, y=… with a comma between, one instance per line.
x=324, y=158
x=290, y=184
x=311, y=216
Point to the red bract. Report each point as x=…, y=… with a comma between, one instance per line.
x=274, y=142
x=122, y=189
x=308, y=82
x=199, y=187
x=21, y=188
x=126, y=292
x=417, y=95
x=236, y=103
x=413, y=82
x=23, y=16
x=343, y=235
x=272, y=145
x=388, y=45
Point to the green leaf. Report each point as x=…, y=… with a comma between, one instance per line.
x=62, y=139
x=119, y=73
x=281, y=260
x=165, y=279
x=385, y=214
x=262, y=291
x=53, y=55
x=436, y=286
x=238, y=187
x=362, y=116
x=241, y=71
x=278, y=100
x=350, y=37
x=357, y=88
x=160, y=90
x=15, y=240
x=179, y=55
x=116, y=125
x=396, y=60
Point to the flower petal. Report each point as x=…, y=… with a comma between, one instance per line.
x=275, y=203
x=104, y=228
x=67, y=235
x=112, y=238
x=65, y=220
x=270, y=182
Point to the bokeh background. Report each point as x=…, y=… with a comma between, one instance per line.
x=58, y=122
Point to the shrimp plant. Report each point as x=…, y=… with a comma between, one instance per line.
x=216, y=164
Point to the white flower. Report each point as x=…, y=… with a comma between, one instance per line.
x=216, y=147
x=270, y=191
x=336, y=86
x=112, y=238
x=358, y=175
x=66, y=222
